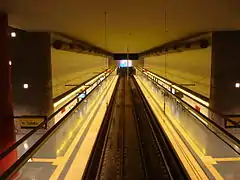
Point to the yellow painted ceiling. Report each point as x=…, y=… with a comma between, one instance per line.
x=137, y=24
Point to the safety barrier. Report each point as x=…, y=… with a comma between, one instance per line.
x=211, y=124
x=197, y=101
x=45, y=124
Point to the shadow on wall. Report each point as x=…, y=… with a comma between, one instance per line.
x=73, y=68
x=189, y=67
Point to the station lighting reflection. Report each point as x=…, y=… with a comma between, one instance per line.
x=237, y=85
x=13, y=34
x=25, y=86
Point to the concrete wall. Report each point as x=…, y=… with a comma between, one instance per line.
x=137, y=63
x=225, y=97
x=31, y=65
x=73, y=68
x=193, y=66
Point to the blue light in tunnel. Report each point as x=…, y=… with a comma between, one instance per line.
x=125, y=63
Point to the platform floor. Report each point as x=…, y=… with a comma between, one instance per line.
x=203, y=153
x=65, y=154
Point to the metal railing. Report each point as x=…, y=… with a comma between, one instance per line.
x=43, y=124
x=214, y=115
x=10, y=172
x=214, y=127
x=172, y=159
x=76, y=86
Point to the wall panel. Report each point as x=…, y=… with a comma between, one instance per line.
x=188, y=67
x=73, y=68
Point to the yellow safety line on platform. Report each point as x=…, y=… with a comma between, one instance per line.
x=227, y=159
x=207, y=160
x=61, y=161
x=78, y=165
x=189, y=162
x=80, y=161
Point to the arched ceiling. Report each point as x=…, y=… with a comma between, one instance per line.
x=138, y=24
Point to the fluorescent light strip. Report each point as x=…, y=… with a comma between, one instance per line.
x=163, y=80
x=183, y=91
x=201, y=119
x=69, y=96
x=192, y=96
x=93, y=80
x=76, y=91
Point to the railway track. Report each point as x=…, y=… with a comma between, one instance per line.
x=131, y=144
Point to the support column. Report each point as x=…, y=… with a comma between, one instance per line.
x=32, y=73
x=7, y=135
x=224, y=95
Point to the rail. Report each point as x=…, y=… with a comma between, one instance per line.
x=213, y=114
x=173, y=168
x=173, y=163
x=215, y=128
x=96, y=157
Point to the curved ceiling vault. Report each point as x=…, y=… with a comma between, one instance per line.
x=138, y=24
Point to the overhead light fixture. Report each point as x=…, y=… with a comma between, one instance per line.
x=237, y=85
x=25, y=86
x=10, y=63
x=13, y=34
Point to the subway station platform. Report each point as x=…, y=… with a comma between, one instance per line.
x=205, y=151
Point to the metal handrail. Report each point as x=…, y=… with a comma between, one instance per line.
x=35, y=147
x=77, y=86
x=237, y=125
x=235, y=140
x=24, y=138
x=186, y=89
